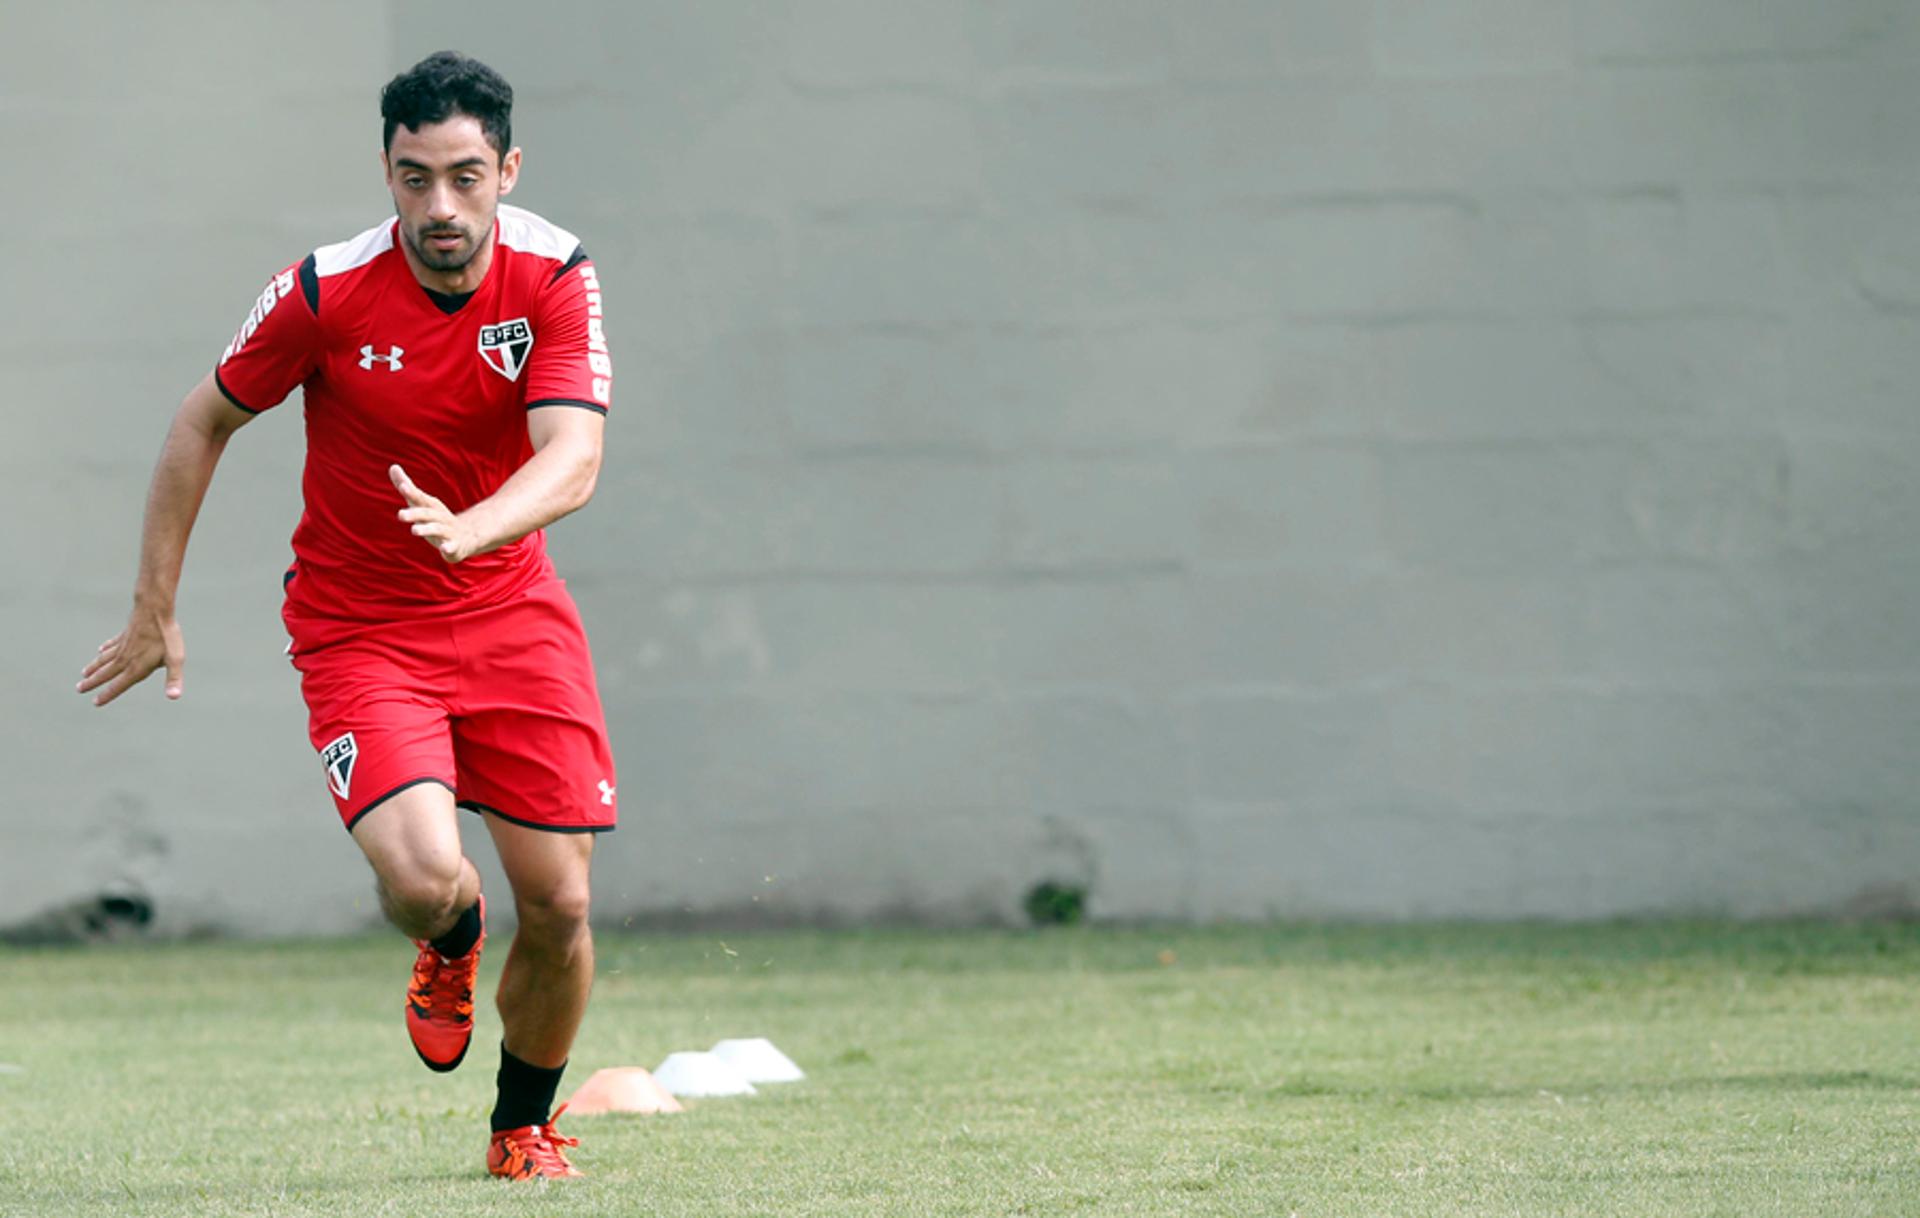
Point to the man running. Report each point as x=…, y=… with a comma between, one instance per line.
x=456, y=383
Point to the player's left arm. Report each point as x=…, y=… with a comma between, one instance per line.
x=558, y=479
x=569, y=383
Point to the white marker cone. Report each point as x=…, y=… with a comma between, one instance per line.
x=758, y=1061
x=622, y=1089
x=696, y=1075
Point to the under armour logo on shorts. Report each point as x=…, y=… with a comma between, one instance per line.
x=606, y=793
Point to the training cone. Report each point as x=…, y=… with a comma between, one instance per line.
x=697, y=1075
x=622, y=1089
x=758, y=1061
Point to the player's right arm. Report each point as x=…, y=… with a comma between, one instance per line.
x=273, y=352
x=152, y=638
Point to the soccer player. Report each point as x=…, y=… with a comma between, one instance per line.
x=457, y=381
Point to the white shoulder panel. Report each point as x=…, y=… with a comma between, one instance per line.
x=522, y=230
x=333, y=259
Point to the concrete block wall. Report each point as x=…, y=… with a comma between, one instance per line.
x=1292, y=458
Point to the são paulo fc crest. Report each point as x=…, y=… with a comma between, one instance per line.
x=338, y=758
x=505, y=346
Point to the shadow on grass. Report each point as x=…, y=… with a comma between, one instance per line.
x=1848, y=1080
x=440, y=1184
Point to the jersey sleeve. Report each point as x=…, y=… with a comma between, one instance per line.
x=569, y=364
x=278, y=343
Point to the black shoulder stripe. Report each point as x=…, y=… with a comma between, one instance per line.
x=575, y=402
x=310, y=285
x=574, y=259
x=228, y=393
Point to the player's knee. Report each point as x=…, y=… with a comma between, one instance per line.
x=422, y=892
x=558, y=914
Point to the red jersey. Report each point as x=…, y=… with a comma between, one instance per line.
x=438, y=384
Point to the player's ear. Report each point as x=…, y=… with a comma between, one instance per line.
x=509, y=170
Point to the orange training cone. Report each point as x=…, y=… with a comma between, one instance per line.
x=623, y=1089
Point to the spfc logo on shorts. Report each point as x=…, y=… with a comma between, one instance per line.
x=505, y=346
x=338, y=758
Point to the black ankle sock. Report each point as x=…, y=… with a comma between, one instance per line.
x=458, y=941
x=526, y=1092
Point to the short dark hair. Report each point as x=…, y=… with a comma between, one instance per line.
x=442, y=85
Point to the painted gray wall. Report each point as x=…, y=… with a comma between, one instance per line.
x=1427, y=457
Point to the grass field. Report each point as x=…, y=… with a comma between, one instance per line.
x=1631, y=1070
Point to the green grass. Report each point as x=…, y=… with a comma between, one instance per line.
x=1632, y=1070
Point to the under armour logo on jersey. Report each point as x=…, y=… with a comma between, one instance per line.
x=505, y=346
x=606, y=792
x=391, y=359
x=338, y=758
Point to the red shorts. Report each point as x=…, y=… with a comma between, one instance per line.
x=497, y=704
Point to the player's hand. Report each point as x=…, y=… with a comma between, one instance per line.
x=432, y=521
x=150, y=640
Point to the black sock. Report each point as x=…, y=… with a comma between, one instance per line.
x=458, y=941
x=526, y=1092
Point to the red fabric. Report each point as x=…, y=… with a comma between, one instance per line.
x=498, y=704
x=390, y=378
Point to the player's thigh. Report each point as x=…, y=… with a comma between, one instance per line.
x=545, y=771
x=549, y=871
x=412, y=841
x=530, y=739
x=379, y=727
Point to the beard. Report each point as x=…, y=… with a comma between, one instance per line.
x=438, y=259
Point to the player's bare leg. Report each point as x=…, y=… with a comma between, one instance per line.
x=423, y=875
x=543, y=992
x=549, y=970
x=430, y=890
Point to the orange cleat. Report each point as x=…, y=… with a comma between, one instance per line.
x=440, y=1002
x=532, y=1152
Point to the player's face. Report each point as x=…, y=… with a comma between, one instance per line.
x=447, y=182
